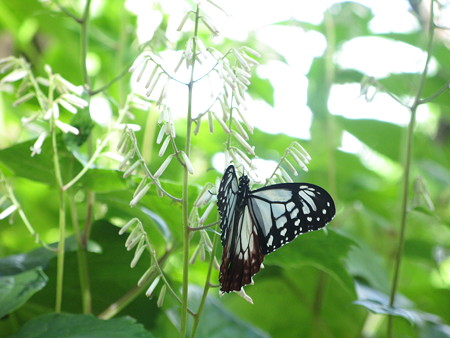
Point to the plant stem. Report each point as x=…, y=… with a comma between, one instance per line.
x=205, y=289
x=84, y=43
x=82, y=238
x=407, y=169
x=185, y=205
x=83, y=272
x=62, y=209
x=329, y=79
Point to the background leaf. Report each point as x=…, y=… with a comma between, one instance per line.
x=69, y=325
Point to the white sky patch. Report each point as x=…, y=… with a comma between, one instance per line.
x=396, y=17
x=264, y=168
x=345, y=100
x=350, y=144
x=293, y=121
x=301, y=49
x=379, y=57
x=100, y=110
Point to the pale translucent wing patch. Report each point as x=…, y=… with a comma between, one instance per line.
x=226, y=200
x=284, y=211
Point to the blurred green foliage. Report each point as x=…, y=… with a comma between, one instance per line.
x=326, y=284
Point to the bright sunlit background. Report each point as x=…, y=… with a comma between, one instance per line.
x=374, y=56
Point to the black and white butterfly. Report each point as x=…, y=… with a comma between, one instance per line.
x=255, y=223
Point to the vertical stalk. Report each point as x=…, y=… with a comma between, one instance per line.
x=82, y=238
x=329, y=78
x=62, y=205
x=86, y=298
x=205, y=289
x=84, y=43
x=407, y=170
x=185, y=205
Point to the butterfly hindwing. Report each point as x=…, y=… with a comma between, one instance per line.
x=284, y=211
x=242, y=256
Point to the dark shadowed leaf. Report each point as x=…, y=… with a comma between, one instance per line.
x=69, y=325
x=17, y=289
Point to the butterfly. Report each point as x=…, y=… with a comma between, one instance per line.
x=255, y=223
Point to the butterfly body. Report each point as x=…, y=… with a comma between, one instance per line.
x=256, y=223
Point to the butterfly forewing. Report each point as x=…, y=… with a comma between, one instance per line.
x=284, y=211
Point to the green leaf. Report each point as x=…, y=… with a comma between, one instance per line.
x=103, y=180
x=382, y=137
x=151, y=209
x=262, y=88
x=83, y=122
x=435, y=330
x=40, y=167
x=378, y=302
x=110, y=279
x=17, y=289
x=365, y=263
x=70, y=325
x=40, y=257
x=324, y=250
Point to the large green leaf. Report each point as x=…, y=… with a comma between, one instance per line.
x=366, y=264
x=17, y=289
x=383, y=137
x=110, y=278
x=39, y=167
x=326, y=250
x=378, y=302
x=39, y=257
x=55, y=325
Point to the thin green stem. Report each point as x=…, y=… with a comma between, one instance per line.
x=67, y=12
x=84, y=43
x=62, y=202
x=205, y=289
x=83, y=272
x=119, y=77
x=407, y=169
x=185, y=204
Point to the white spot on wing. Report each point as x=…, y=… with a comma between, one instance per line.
x=290, y=206
x=308, y=199
x=283, y=232
x=305, y=209
x=280, y=222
